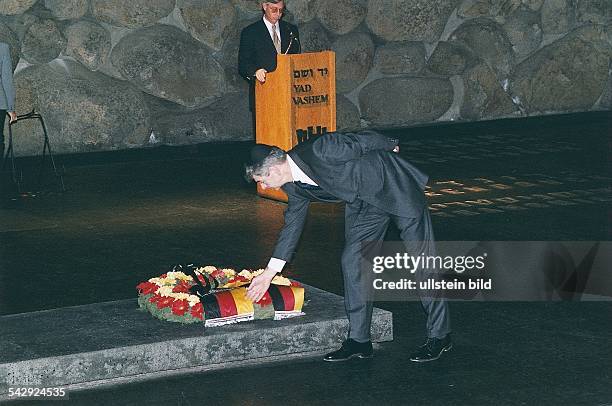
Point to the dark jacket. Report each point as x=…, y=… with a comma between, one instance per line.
x=257, y=50
x=349, y=167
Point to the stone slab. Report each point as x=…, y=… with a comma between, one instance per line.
x=115, y=341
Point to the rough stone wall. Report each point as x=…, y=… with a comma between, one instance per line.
x=113, y=74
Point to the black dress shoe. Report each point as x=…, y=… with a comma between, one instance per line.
x=432, y=349
x=350, y=349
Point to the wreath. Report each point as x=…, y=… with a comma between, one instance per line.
x=216, y=296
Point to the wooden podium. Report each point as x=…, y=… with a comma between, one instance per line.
x=296, y=102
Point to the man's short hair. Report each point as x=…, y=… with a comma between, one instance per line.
x=262, y=158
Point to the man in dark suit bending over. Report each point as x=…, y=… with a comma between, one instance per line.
x=261, y=41
x=377, y=185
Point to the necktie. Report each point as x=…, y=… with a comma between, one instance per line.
x=275, y=39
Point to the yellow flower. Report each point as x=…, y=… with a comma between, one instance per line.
x=165, y=291
x=168, y=281
x=178, y=275
x=281, y=280
x=156, y=281
x=245, y=273
x=229, y=272
x=209, y=269
x=193, y=299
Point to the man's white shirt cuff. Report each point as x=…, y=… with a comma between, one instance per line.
x=276, y=264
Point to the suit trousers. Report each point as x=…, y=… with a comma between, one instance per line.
x=366, y=223
x=2, y=119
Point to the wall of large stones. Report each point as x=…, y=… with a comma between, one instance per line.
x=114, y=74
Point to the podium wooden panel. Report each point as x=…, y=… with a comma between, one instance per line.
x=296, y=102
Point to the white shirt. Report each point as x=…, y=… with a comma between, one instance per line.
x=298, y=175
x=269, y=26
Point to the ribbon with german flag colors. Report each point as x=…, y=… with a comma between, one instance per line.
x=233, y=306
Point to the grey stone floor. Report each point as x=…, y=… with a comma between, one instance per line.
x=129, y=215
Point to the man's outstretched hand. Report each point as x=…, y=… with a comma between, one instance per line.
x=260, y=74
x=260, y=284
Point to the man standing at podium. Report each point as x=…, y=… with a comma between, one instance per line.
x=261, y=41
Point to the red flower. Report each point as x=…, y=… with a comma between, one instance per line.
x=146, y=287
x=165, y=302
x=180, y=307
x=182, y=287
x=217, y=273
x=164, y=275
x=265, y=300
x=197, y=311
x=296, y=284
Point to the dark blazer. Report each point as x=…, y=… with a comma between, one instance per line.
x=349, y=167
x=257, y=49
